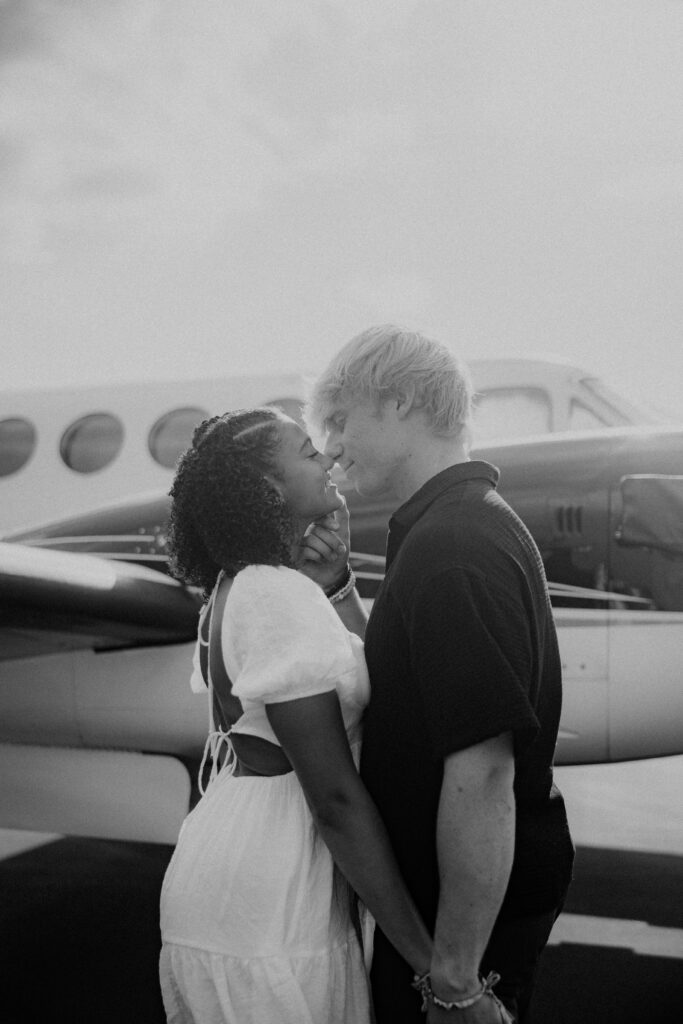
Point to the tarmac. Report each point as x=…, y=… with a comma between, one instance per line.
x=79, y=934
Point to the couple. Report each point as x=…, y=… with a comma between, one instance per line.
x=452, y=835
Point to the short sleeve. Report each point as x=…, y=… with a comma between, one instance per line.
x=281, y=637
x=471, y=659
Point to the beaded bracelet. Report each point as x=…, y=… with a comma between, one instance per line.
x=342, y=590
x=423, y=984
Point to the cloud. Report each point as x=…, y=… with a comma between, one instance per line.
x=349, y=141
x=653, y=184
x=376, y=17
x=402, y=297
x=127, y=127
x=140, y=127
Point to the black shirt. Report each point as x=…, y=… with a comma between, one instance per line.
x=461, y=646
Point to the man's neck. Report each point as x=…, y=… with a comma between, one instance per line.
x=425, y=461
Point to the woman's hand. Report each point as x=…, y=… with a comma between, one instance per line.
x=324, y=551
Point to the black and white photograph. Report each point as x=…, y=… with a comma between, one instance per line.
x=341, y=512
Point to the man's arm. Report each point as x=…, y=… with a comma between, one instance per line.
x=475, y=846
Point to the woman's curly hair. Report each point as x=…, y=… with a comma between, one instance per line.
x=225, y=514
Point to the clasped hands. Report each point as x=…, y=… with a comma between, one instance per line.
x=486, y=1011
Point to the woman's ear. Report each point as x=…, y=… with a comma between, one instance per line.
x=275, y=483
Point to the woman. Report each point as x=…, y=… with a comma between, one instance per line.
x=258, y=924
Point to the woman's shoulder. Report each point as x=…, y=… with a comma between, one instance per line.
x=275, y=580
x=281, y=598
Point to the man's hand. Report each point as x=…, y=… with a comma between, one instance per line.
x=325, y=547
x=486, y=1010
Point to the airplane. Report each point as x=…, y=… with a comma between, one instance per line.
x=100, y=734
x=69, y=450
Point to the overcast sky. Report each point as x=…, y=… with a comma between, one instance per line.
x=190, y=189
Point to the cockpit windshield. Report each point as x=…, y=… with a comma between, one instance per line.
x=625, y=411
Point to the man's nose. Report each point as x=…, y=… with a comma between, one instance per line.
x=333, y=449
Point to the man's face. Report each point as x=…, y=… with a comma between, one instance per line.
x=367, y=442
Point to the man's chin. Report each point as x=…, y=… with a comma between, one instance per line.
x=369, y=490
x=364, y=487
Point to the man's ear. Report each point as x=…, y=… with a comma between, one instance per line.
x=405, y=401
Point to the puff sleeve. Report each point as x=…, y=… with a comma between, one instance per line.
x=281, y=637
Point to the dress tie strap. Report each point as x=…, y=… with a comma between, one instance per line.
x=218, y=746
x=217, y=742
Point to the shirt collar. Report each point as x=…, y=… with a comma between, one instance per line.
x=417, y=504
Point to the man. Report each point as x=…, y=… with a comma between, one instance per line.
x=461, y=647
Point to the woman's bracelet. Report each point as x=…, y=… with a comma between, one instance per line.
x=423, y=984
x=343, y=588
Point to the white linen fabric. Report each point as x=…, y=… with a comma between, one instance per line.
x=255, y=919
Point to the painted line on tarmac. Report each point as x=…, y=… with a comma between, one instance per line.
x=638, y=936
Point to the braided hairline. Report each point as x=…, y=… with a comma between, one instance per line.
x=211, y=425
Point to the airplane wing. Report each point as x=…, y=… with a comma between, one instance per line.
x=54, y=601
x=92, y=659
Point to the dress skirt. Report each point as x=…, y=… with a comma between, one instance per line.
x=256, y=922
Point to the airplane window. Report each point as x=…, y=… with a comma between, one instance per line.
x=583, y=418
x=172, y=434
x=511, y=412
x=91, y=442
x=17, y=444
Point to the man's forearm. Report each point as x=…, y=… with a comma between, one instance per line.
x=475, y=845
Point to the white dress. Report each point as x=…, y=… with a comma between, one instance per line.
x=256, y=928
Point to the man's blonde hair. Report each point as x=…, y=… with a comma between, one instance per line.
x=387, y=360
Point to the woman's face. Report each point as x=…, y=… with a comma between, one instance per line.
x=304, y=474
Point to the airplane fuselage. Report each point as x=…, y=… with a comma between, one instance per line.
x=618, y=604
x=606, y=511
